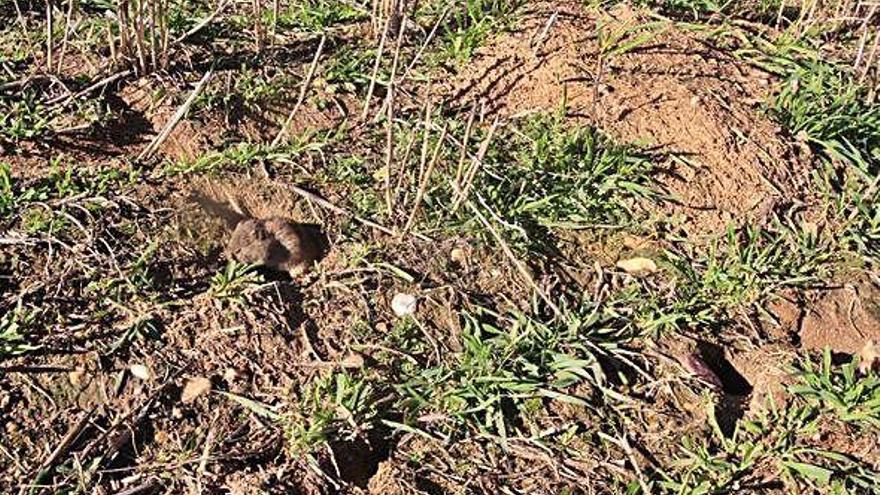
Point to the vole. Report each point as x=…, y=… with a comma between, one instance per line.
x=275, y=242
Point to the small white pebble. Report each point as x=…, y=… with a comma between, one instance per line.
x=140, y=371
x=403, y=304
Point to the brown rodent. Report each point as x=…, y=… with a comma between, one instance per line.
x=273, y=242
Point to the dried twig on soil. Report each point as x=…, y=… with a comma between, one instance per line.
x=63, y=446
x=519, y=265
x=282, y=133
x=332, y=207
x=426, y=176
x=67, y=99
x=204, y=22
x=175, y=119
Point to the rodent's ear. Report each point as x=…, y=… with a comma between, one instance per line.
x=219, y=210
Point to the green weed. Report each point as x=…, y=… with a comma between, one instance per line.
x=840, y=390
x=240, y=156
x=12, y=340
x=470, y=25
x=337, y=406
x=318, y=15
x=233, y=282
x=547, y=176
x=23, y=117
x=512, y=363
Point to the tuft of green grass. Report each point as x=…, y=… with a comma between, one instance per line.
x=471, y=23
x=548, y=176
x=840, y=390
x=511, y=365
x=64, y=181
x=12, y=340
x=233, y=282
x=23, y=117
x=826, y=106
x=773, y=446
x=241, y=156
x=252, y=89
x=318, y=15
x=336, y=406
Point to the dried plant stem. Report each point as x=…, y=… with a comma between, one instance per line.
x=469, y=177
x=175, y=119
x=154, y=60
x=282, y=133
x=426, y=177
x=66, y=39
x=389, y=149
x=336, y=209
x=375, y=73
x=50, y=26
x=138, y=18
x=258, y=24
x=459, y=170
x=275, y=9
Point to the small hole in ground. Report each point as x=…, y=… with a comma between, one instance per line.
x=732, y=382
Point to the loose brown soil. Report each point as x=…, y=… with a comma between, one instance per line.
x=675, y=93
x=693, y=106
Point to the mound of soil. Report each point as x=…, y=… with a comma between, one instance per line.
x=672, y=93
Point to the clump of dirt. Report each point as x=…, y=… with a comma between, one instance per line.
x=843, y=319
x=695, y=106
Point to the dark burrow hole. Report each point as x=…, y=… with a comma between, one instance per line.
x=736, y=389
x=732, y=382
x=358, y=459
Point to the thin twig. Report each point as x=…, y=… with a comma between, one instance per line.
x=375, y=73
x=176, y=118
x=302, y=93
x=62, y=448
x=341, y=211
x=66, y=100
x=430, y=37
x=66, y=38
x=420, y=194
x=477, y=161
x=204, y=22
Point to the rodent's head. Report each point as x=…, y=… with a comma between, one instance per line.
x=250, y=242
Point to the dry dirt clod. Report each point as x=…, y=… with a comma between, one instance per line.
x=637, y=266
x=194, y=388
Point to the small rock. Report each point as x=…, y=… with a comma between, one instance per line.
x=76, y=377
x=404, y=304
x=194, y=388
x=140, y=371
x=352, y=361
x=637, y=266
x=230, y=375
x=869, y=357
x=458, y=255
